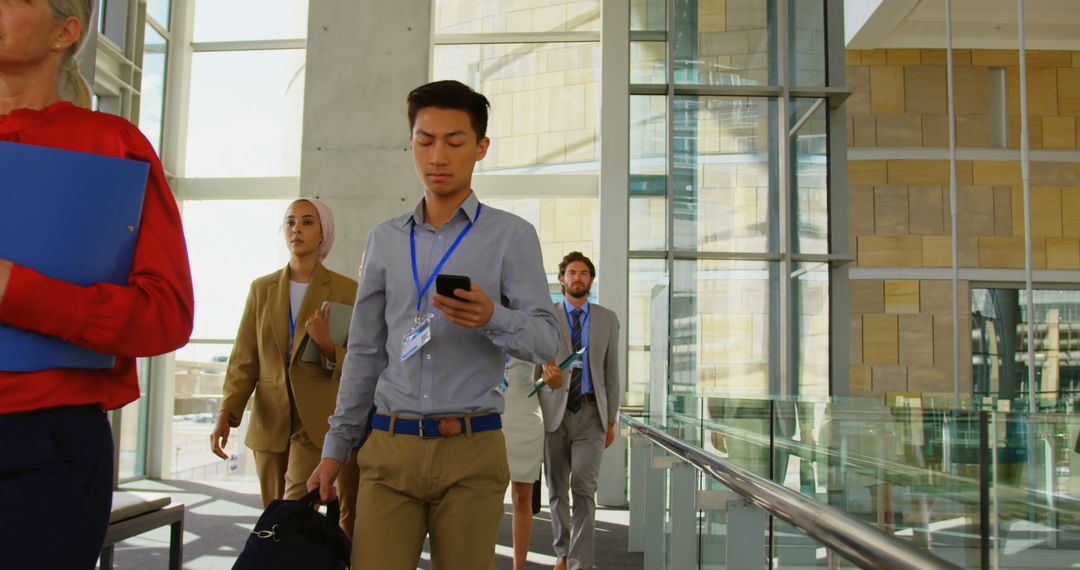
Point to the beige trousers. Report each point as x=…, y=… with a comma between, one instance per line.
x=449, y=488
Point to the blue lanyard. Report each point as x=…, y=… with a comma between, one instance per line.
x=431, y=278
x=569, y=320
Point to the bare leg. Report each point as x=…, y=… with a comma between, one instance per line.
x=521, y=495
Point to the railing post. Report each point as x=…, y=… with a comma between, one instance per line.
x=746, y=541
x=832, y=561
x=655, y=508
x=640, y=459
x=684, y=528
x=745, y=544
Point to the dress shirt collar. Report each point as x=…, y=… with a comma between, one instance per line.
x=468, y=207
x=569, y=307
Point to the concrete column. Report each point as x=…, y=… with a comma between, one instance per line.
x=363, y=58
x=614, y=215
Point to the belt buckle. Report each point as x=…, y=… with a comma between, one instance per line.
x=423, y=434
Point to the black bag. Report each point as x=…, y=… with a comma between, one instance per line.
x=292, y=534
x=536, y=497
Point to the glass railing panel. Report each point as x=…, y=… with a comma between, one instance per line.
x=737, y=429
x=911, y=465
x=1034, y=497
x=732, y=533
x=908, y=471
x=712, y=531
x=684, y=417
x=886, y=466
x=793, y=549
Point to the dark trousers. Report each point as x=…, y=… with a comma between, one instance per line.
x=56, y=475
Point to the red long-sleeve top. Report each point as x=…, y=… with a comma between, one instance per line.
x=150, y=315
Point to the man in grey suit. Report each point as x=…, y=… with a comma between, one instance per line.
x=579, y=411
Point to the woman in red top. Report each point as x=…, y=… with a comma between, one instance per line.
x=56, y=452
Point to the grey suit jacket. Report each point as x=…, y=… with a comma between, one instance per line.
x=603, y=368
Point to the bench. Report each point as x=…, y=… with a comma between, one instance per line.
x=133, y=515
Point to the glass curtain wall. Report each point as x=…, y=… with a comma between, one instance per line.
x=999, y=350
x=129, y=73
x=241, y=160
x=539, y=66
x=729, y=200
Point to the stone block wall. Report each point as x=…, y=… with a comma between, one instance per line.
x=899, y=207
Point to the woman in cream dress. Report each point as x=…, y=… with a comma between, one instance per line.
x=523, y=428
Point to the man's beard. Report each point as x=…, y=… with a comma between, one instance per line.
x=584, y=292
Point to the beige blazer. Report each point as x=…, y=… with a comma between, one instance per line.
x=257, y=364
x=603, y=368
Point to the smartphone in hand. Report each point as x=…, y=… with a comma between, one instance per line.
x=445, y=284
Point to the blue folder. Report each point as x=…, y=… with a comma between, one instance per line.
x=72, y=216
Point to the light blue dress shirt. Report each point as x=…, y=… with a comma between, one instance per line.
x=586, y=376
x=460, y=370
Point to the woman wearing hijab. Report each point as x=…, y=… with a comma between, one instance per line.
x=292, y=398
x=56, y=448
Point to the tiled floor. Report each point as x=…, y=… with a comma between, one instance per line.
x=220, y=515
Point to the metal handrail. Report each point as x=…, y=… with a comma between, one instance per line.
x=874, y=464
x=849, y=537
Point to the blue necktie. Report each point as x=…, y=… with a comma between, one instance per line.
x=574, y=403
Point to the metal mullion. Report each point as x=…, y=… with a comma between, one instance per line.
x=669, y=151
x=806, y=117
x=835, y=95
x=953, y=233
x=648, y=89
x=113, y=51
x=648, y=36
x=135, y=49
x=728, y=90
x=1025, y=175
x=165, y=33
x=725, y=256
x=787, y=375
x=837, y=259
x=250, y=45
x=516, y=38
x=839, y=313
x=804, y=270
x=640, y=254
x=178, y=55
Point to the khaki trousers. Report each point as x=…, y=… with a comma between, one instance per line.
x=449, y=488
x=284, y=476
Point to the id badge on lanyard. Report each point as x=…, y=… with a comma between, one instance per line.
x=420, y=333
x=416, y=337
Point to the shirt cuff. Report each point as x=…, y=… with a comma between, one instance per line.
x=499, y=323
x=335, y=447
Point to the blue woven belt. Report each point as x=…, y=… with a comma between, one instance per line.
x=429, y=428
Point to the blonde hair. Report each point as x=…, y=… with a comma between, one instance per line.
x=70, y=81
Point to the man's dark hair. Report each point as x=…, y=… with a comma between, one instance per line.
x=450, y=94
x=576, y=256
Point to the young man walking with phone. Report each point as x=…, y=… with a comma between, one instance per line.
x=432, y=364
